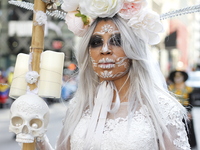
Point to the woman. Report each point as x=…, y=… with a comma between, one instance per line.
x=183, y=93
x=122, y=101
x=179, y=87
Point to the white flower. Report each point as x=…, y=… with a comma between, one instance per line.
x=146, y=26
x=31, y=77
x=40, y=18
x=75, y=24
x=100, y=8
x=70, y=5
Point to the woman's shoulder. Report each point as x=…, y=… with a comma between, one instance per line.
x=189, y=89
x=170, y=108
x=167, y=100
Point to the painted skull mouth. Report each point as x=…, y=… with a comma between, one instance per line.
x=106, y=63
x=106, y=60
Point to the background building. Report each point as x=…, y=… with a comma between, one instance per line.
x=179, y=48
x=16, y=31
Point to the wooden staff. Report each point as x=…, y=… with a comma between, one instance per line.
x=37, y=46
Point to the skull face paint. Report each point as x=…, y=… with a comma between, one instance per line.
x=108, y=58
x=107, y=28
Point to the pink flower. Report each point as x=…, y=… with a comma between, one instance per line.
x=131, y=7
x=75, y=24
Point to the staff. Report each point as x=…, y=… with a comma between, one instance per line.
x=37, y=46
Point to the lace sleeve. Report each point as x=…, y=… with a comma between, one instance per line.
x=174, y=122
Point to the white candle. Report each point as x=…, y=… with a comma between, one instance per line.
x=19, y=84
x=51, y=72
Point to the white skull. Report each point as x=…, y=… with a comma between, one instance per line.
x=29, y=118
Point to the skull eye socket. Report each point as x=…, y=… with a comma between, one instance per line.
x=17, y=121
x=36, y=123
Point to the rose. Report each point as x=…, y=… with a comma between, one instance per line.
x=135, y=1
x=75, y=24
x=100, y=8
x=70, y=5
x=131, y=7
x=146, y=26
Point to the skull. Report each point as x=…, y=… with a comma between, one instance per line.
x=29, y=117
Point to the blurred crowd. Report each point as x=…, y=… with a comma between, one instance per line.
x=69, y=85
x=185, y=94
x=5, y=82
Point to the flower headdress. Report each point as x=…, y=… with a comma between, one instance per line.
x=145, y=22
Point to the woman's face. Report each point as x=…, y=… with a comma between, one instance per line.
x=178, y=78
x=108, y=58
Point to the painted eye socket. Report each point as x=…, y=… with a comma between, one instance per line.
x=115, y=40
x=96, y=41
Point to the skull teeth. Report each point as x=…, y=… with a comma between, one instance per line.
x=106, y=60
x=106, y=66
x=24, y=138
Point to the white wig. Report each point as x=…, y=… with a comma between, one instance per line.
x=146, y=82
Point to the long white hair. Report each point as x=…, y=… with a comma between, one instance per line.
x=146, y=82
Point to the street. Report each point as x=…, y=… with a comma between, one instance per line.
x=57, y=112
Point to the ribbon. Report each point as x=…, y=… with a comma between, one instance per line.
x=102, y=106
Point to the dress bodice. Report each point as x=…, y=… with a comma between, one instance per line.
x=118, y=133
x=137, y=133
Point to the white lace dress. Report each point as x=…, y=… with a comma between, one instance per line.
x=119, y=134
x=139, y=135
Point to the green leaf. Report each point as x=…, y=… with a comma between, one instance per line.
x=83, y=17
x=78, y=15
